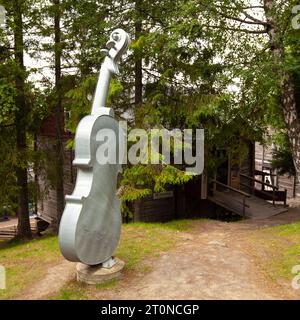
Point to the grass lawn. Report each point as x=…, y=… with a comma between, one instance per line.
x=27, y=262
x=278, y=250
x=138, y=241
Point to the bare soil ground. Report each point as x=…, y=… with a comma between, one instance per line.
x=210, y=262
x=56, y=277
x=214, y=260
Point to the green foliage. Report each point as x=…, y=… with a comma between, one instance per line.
x=201, y=68
x=138, y=176
x=7, y=100
x=142, y=180
x=169, y=176
x=79, y=99
x=283, y=162
x=131, y=194
x=16, y=117
x=282, y=156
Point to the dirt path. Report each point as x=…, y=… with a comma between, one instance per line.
x=13, y=222
x=212, y=261
x=53, y=281
x=209, y=263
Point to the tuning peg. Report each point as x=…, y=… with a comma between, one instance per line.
x=110, y=44
x=105, y=52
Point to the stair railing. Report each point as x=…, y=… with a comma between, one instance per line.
x=244, y=194
x=263, y=184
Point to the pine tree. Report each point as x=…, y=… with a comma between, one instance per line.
x=21, y=109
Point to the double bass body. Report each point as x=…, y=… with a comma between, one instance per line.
x=91, y=222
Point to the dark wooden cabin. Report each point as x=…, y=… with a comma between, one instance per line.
x=46, y=206
x=237, y=188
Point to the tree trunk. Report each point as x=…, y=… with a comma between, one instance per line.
x=138, y=98
x=59, y=119
x=287, y=85
x=24, y=230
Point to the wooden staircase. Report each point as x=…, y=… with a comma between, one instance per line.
x=246, y=206
x=10, y=232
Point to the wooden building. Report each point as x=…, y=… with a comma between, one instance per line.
x=237, y=188
x=263, y=159
x=46, y=206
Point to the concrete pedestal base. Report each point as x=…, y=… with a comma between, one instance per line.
x=98, y=274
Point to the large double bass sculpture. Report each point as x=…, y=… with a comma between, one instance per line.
x=91, y=222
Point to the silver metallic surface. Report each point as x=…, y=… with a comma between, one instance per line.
x=91, y=223
x=110, y=67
